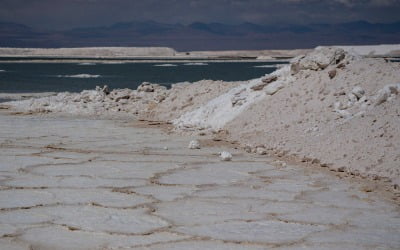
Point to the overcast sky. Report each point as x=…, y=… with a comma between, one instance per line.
x=64, y=14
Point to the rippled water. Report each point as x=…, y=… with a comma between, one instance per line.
x=43, y=77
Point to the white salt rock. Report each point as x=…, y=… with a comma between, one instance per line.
x=273, y=88
x=382, y=96
x=394, y=89
x=261, y=151
x=363, y=99
x=352, y=97
x=344, y=113
x=386, y=92
x=194, y=144
x=320, y=58
x=391, y=97
x=358, y=92
x=339, y=106
x=225, y=156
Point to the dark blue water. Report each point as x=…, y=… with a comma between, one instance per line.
x=43, y=77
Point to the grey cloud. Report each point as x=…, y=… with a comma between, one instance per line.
x=56, y=14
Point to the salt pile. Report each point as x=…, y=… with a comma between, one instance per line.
x=100, y=101
x=219, y=111
x=330, y=107
x=338, y=110
x=143, y=102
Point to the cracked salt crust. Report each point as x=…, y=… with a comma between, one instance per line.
x=59, y=197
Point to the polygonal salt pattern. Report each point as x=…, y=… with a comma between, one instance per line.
x=205, y=211
x=111, y=220
x=77, y=183
x=204, y=244
x=24, y=198
x=57, y=237
x=273, y=232
x=12, y=244
x=166, y=193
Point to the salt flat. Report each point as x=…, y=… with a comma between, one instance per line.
x=78, y=183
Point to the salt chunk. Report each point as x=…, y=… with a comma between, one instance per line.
x=194, y=144
x=382, y=96
x=358, y=92
x=273, y=88
x=261, y=151
x=225, y=156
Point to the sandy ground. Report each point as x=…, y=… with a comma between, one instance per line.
x=80, y=183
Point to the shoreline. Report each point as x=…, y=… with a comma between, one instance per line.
x=295, y=113
x=161, y=60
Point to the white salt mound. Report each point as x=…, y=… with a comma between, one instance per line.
x=221, y=110
x=346, y=122
x=100, y=101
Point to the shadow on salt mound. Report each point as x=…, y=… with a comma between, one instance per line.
x=196, y=64
x=165, y=65
x=80, y=76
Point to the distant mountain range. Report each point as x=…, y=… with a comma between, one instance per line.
x=203, y=36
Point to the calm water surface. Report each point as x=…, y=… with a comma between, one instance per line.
x=75, y=77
